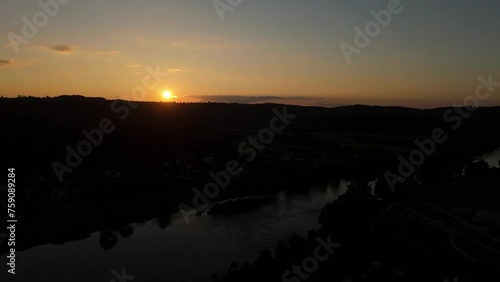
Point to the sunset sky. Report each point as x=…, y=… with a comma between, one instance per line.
x=263, y=51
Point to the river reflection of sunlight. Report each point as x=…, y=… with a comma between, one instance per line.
x=491, y=158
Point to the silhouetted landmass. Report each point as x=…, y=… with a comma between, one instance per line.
x=405, y=238
x=158, y=152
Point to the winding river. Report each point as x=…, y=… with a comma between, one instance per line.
x=180, y=252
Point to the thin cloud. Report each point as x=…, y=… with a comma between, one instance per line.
x=6, y=63
x=65, y=49
x=12, y=63
x=10, y=44
x=24, y=64
x=68, y=49
x=108, y=53
x=133, y=66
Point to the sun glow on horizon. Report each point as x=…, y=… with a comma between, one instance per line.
x=167, y=95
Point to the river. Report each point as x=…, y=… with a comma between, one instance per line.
x=181, y=252
x=491, y=158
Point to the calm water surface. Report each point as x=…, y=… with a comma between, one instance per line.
x=178, y=252
x=491, y=158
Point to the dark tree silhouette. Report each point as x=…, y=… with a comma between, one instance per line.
x=233, y=267
x=108, y=239
x=477, y=169
x=126, y=232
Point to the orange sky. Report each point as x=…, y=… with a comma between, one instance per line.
x=261, y=52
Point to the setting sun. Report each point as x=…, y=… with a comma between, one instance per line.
x=167, y=95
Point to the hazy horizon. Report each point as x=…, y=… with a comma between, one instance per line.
x=252, y=100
